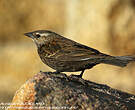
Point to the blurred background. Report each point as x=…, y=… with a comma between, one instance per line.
x=106, y=25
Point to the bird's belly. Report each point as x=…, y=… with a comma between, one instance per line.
x=67, y=66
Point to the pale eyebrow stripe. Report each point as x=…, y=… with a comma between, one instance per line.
x=45, y=34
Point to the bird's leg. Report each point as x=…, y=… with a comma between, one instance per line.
x=81, y=74
x=56, y=72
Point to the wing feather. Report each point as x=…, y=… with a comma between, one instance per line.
x=77, y=53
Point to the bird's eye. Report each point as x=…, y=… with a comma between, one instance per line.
x=38, y=35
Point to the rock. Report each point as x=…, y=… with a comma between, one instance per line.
x=50, y=90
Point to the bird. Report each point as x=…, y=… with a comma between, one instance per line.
x=65, y=55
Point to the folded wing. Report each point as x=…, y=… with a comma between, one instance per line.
x=77, y=53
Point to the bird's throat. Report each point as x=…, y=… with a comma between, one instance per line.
x=48, y=49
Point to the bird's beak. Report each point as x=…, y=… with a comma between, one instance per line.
x=29, y=34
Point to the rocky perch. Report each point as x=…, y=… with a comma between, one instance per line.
x=48, y=90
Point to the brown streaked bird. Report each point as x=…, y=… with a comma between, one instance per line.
x=65, y=55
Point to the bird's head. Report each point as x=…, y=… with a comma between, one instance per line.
x=41, y=36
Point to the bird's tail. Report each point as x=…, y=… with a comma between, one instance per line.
x=121, y=61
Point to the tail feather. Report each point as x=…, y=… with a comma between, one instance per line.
x=121, y=61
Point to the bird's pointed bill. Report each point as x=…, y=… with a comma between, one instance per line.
x=29, y=34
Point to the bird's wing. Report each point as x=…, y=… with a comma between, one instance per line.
x=77, y=52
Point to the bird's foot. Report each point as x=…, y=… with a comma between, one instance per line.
x=78, y=76
x=56, y=72
x=45, y=72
